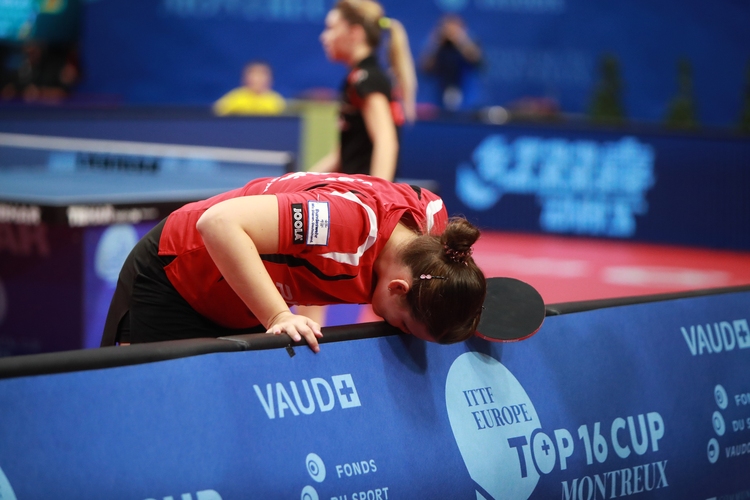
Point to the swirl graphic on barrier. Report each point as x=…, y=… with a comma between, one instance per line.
x=315, y=467
x=309, y=493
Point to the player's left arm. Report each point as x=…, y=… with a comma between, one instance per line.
x=376, y=111
x=236, y=232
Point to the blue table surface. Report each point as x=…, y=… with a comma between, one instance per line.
x=59, y=188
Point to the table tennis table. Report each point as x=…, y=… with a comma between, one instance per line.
x=70, y=211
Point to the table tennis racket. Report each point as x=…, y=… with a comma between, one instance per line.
x=513, y=310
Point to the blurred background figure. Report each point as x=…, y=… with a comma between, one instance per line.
x=370, y=114
x=452, y=58
x=255, y=96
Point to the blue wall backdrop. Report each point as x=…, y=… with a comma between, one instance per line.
x=192, y=51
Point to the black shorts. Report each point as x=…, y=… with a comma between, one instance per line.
x=147, y=308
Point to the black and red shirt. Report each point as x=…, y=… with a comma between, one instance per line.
x=366, y=78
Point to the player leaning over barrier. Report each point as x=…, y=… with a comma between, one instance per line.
x=236, y=262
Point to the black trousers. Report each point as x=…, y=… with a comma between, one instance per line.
x=146, y=307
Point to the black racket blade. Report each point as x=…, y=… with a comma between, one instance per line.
x=513, y=310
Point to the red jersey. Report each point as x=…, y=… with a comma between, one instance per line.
x=332, y=227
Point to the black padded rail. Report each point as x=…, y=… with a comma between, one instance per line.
x=588, y=305
x=110, y=357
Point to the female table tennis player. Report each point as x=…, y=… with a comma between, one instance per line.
x=235, y=263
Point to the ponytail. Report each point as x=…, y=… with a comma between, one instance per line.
x=371, y=16
x=402, y=63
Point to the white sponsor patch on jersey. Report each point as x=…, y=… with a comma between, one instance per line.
x=318, y=222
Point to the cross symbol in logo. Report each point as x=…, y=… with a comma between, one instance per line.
x=545, y=447
x=346, y=391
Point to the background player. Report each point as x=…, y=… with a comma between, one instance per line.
x=369, y=114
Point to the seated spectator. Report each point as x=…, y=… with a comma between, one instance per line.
x=255, y=97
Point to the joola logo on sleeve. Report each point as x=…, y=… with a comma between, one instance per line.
x=307, y=397
x=298, y=224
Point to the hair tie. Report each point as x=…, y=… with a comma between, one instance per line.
x=458, y=256
x=384, y=23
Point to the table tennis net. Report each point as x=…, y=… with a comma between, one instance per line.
x=68, y=154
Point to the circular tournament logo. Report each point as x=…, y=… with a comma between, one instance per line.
x=112, y=250
x=309, y=493
x=719, y=424
x=315, y=467
x=713, y=450
x=720, y=394
x=492, y=418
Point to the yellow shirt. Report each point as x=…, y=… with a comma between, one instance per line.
x=243, y=101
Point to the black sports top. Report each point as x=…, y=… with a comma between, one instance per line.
x=365, y=78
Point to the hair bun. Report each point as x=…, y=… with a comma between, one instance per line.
x=458, y=238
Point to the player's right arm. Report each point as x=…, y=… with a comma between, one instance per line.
x=236, y=232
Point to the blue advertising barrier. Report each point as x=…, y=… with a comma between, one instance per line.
x=637, y=184
x=650, y=400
